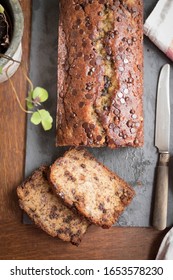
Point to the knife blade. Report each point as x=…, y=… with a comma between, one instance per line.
x=162, y=142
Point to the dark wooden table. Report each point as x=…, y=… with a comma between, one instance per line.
x=18, y=241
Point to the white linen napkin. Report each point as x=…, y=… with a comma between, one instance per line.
x=159, y=26
x=166, y=248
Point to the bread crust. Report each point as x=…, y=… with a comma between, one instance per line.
x=86, y=185
x=100, y=73
x=47, y=211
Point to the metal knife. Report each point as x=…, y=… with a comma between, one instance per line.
x=162, y=141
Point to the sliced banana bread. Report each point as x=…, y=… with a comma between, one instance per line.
x=87, y=185
x=44, y=207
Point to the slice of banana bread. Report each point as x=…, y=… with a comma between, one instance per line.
x=87, y=185
x=37, y=199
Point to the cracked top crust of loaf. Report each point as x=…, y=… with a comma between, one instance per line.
x=100, y=73
x=88, y=186
x=47, y=210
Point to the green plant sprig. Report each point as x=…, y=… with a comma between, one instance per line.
x=36, y=96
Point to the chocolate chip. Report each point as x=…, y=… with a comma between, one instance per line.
x=72, y=115
x=85, y=125
x=136, y=141
x=132, y=111
x=129, y=123
x=106, y=108
x=104, y=92
x=91, y=37
x=111, y=125
x=74, y=92
x=69, y=176
x=81, y=31
x=88, y=96
x=86, y=57
x=92, y=126
x=111, y=142
x=128, y=50
x=130, y=80
x=100, y=13
x=120, y=49
x=119, y=19
x=93, y=62
x=90, y=27
x=117, y=112
x=89, y=86
x=89, y=134
x=116, y=32
x=110, y=35
x=91, y=71
x=99, y=138
x=77, y=8
x=83, y=165
x=81, y=104
x=75, y=125
x=84, y=44
x=78, y=21
x=79, y=54
x=127, y=98
x=101, y=1
x=117, y=119
x=101, y=208
x=134, y=39
x=108, y=50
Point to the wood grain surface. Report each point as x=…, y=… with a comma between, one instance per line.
x=18, y=241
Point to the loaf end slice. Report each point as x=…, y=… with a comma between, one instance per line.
x=48, y=212
x=87, y=185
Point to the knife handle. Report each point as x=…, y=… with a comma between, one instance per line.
x=161, y=193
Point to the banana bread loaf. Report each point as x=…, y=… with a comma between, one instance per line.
x=100, y=73
x=88, y=186
x=47, y=210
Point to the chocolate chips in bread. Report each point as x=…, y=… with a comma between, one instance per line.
x=47, y=210
x=88, y=186
x=100, y=73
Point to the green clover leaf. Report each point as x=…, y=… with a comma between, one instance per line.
x=36, y=118
x=46, y=119
x=42, y=116
x=1, y=9
x=40, y=94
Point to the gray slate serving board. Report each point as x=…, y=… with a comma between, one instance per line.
x=136, y=166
